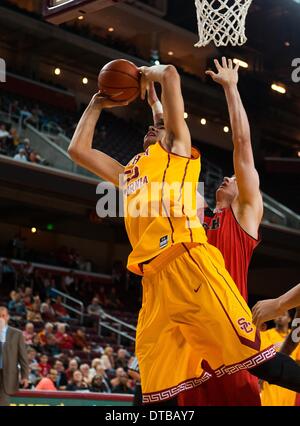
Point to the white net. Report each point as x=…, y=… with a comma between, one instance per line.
x=222, y=21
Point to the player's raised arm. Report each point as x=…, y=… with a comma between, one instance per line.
x=267, y=310
x=80, y=149
x=244, y=167
x=178, y=139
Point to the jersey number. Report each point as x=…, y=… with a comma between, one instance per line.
x=132, y=173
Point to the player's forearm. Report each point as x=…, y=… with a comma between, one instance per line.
x=80, y=149
x=291, y=299
x=155, y=104
x=83, y=137
x=157, y=112
x=239, y=125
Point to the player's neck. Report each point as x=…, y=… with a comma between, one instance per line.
x=222, y=204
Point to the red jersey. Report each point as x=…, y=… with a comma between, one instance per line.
x=224, y=232
x=239, y=389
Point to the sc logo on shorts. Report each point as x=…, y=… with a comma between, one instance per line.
x=245, y=325
x=296, y=71
x=2, y=71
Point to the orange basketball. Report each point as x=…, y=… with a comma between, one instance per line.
x=120, y=76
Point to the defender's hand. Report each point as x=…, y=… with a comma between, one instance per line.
x=99, y=101
x=266, y=310
x=227, y=74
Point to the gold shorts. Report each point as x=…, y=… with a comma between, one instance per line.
x=192, y=310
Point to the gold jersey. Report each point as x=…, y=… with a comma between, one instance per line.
x=160, y=203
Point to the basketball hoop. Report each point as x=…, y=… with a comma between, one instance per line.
x=222, y=21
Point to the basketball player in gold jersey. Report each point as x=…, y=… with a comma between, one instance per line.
x=191, y=305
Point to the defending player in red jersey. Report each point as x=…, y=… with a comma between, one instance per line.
x=233, y=229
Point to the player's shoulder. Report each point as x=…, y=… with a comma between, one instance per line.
x=180, y=153
x=136, y=159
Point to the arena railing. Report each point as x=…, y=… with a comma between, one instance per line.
x=9, y=118
x=65, y=299
x=62, y=141
x=41, y=143
x=56, y=155
x=51, y=129
x=116, y=326
x=49, y=150
x=277, y=213
x=50, y=267
x=113, y=324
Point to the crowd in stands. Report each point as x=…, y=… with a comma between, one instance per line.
x=26, y=111
x=70, y=281
x=16, y=113
x=62, y=359
x=68, y=272
x=126, y=137
x=104, y=374
x=23, y=270
x=17, y=279
x=57, y=362
x=21, y=150
x=64, y=353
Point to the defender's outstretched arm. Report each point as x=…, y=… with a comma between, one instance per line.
x=250, y=200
